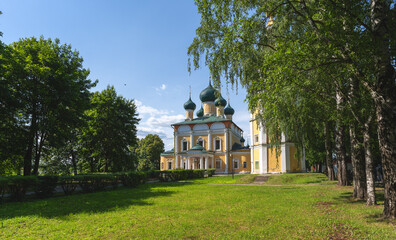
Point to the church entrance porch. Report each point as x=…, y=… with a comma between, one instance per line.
x=194, y=162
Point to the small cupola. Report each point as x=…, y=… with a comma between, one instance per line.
x=220, y=103
x=242, y=141
x=200, y=112
x=208, y=96
x=189, y=106
x=229, y=111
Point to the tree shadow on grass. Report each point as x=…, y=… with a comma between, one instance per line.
x=346, y=197
x=65, y=206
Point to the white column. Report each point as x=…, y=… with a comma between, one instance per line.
x=201, y=163
x=213, y=163
x=226, y=150
x=206, y=163
x=177, y=143
x=264, y=154
x=191, y=139
x=193, y=164
x=188, y=163
x=284, y=157
x=210, y=141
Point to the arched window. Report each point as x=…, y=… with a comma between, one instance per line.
x=184, y=144
x=201, y=142
x=217, y=144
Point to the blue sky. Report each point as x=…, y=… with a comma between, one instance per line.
x=139, y=47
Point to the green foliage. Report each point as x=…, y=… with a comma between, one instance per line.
x=48, y=92
x=211, y=171
x=46, y=185
x=148, y=151
x=68, y=184
x=109, y=133
x=132, y=178
x=94, y=182
x=18, y=185
x=181, y=174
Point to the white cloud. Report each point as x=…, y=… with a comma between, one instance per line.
x=160, y=89
x=154, y=121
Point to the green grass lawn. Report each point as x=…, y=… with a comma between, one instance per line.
x=237, y=179
x=298, y=178
x=196, y=211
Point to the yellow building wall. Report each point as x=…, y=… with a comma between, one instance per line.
x=221, y=136
x=164, y=162
x=274, y=161
x=181, y=143
x=204, y=137
x=245, y=157
x=295, y=165
x=256, y=157
x=255, y=132
x=222, y=158
x=209, y=108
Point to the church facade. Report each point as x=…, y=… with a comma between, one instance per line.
x=213, y=140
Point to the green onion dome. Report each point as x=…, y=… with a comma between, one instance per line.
x=189, y=105
x=208, y=94
x=242, y=140
x=229, y=110
x=200, y=112
x=220, y=102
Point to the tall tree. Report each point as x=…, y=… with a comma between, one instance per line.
x=339, y=39
x=109, y=133
x=52, y=93
x=149, y=151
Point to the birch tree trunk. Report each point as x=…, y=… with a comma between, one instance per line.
x=371, y=200
x=340, y=145
x=384, y=95
x=329, y=158
x=358, y=164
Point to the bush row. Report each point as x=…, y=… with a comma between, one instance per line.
x=44, y=186
x=182, y=174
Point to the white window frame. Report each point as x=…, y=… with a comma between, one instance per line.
x=220, y=161
x=184, y=141
x=217, y=139
x=203, y=141
x=256, y=138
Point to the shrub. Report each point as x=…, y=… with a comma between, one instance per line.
x=211, y=171
x=181, y=174
x=132, y=178
x=17, y=186
x=153, y=173
x=199, y=173
x=46, y=185
x=68, y=184
x=94, y=182
x=3, y=187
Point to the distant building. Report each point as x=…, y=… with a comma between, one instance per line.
x=213, y=140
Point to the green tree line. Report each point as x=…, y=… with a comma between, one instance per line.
x=52, y=123
x=321, y=72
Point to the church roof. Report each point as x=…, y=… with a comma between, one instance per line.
x=208, y=94
x=170, y=152
x=237, y=146
x=203, y=120
x=189, y=105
